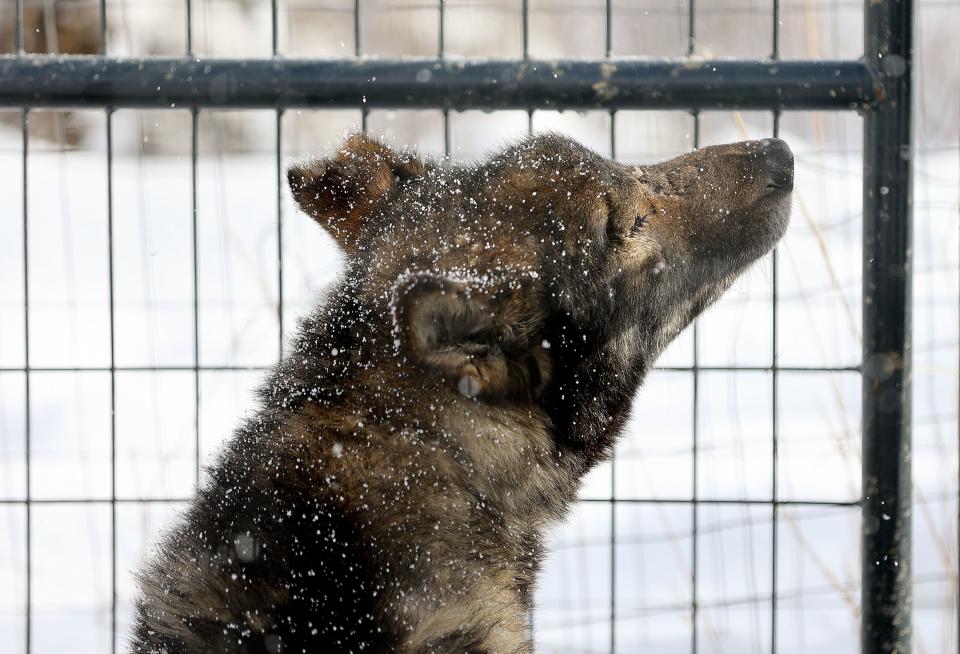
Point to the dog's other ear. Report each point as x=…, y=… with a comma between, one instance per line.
x=343, y=191
x=482, y=337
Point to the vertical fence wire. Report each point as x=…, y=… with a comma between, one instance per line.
x=24, y=133
x=695, y=524
x=18, y=27
x=356, y=28
x=188, y=9
x=695, y=447
x=28, y=445
x=613, y=475
x=774, y=428
x=278, y=130
x=691, y=28
x=279, y=181
x=775, y=381
x=525, y=23
x=108, y=115
x=608, y=50
x=357, y=52
x=441, y=53
x=194, y=257
x=274, y=44
x=525, y=27
x=441, y=38
x=103, y=27
x=113, y=387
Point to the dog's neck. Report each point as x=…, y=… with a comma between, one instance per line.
x=589, y=399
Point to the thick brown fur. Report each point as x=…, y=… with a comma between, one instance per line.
x=436, y=413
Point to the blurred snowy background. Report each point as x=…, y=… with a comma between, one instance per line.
x=623, y=563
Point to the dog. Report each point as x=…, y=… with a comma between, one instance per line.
x=438, y=410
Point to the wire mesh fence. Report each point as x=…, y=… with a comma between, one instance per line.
x=153, y=265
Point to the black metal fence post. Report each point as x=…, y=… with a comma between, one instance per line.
x=886, y=583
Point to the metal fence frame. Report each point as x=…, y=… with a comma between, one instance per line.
x=878, y=86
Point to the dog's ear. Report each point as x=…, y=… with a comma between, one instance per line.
x=343, y=191
x=483, y=337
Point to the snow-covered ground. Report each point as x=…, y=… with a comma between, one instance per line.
x=634, y=556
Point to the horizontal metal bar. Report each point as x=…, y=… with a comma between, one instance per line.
x=91, y=81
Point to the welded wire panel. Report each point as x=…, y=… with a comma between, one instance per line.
x=11, y=244
x=735, y=578
x=13, y=455
x=728, y=520
x=473, y=132
x=653, y=601
x=13, y=566
x=73, y=617
x=152, y=295
x=822, y=254
x=311, y=260
x=154, y=445
x=655, y=456
x=502, y=33
x=70, y=260
x=236, y=196
x=137, y=524
x=818, y=571
x=317, y=29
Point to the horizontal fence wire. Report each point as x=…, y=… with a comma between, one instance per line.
x=587, y=500
x=161, y=368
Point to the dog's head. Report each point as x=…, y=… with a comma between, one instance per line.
x=490, y=275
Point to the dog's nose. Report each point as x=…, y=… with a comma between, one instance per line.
x=777, y=163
